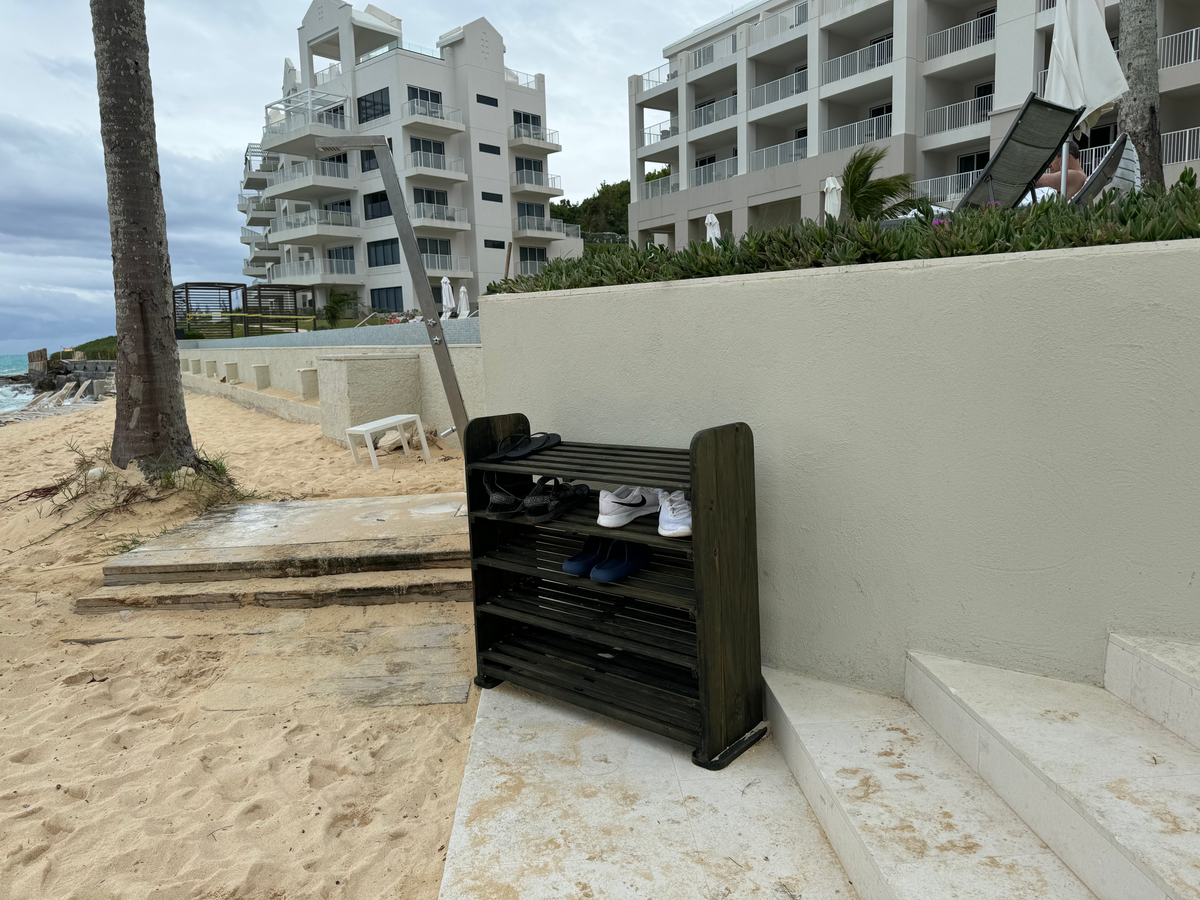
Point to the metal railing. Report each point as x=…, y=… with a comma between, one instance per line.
x=832, y=6
x=327, y=74
x=961, y=37
x=1091, y=156
x=399, y=45
x=294, y=121
x=668, y=128
x=1044, y=5
x=718, y=171
x=545, y=226
x=249, y=235
x=1181, y=146
x=313, y=217
x=778, y=155
x=433, y=212
x=863, y=60
x=527, y=132
x=520, y=79
x=255, y=203
x=779, y=23
x=668, y=71
x=1179, y=49
x=423, y=160
x=658, y=187
x=527, y=177
x=431, y=110
x=958, y=115
x=439, y=262
x=310, y=268
x=856, y=134
x=713, y=112
x=947, y=189
x=774, y=91
x=308, y=168
x=255, y=268
x=720, y=49
x=1041, y=82
x=532, y=266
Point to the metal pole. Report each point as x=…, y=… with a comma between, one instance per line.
x=1066, y=146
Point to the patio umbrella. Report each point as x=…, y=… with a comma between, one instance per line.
x=447, y=298
x=833, y=197
x=712, y=229
x=464, y=305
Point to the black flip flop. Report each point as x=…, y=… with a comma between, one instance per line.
x=533, y=444
x=506, y=444
x=505, y=501
x=550, y=498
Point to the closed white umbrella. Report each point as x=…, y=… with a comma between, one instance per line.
x=712, y=229
x=464, y=305
x=447, y=298
x=833, y=197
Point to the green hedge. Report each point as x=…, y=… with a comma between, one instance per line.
x=1151, y=215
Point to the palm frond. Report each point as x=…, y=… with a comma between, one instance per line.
x=874, y=198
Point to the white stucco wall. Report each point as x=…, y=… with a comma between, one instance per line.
x=993, y=458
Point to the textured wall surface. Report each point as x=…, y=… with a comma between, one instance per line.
x=457, y=331
x=993, y=458
x=361, y=387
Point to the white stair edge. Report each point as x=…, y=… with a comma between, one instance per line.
x=1141, y=672
x=1103, y=863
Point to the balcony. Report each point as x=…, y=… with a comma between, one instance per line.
x=958, y=115
x=658, y=187
x=264, y=253
x=439, y=264
x=1091, y=156
x=259, y=164
x=399, y=45
x=520, y=79
x=947, y=190
x=434, y=165
x=829, y=7
x=314, y=223
x=327, y=74
x=778, y=155
x=961, y=37
x=259, y=210
x=783, y=22
x=656, y=78
x=1041, y=82
x=315, y=271
x=533, y=137
x=443, y=218
x=856, y=134
x=525, y=181
x=720, y=51
x=433, y=116
x=721, y=170
x=1181, y=146
x=297, y=122
x=711, y=113
x=548, y=229
x=249, y=235
x=1179, y=49
x=310, y=179
x=531, y=266
x=868, y=58
x=783, y=89
x=253, y=270
x=663, y=131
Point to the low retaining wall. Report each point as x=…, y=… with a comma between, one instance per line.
x=992, y=458
x=457, y=331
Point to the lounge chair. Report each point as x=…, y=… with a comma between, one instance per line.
x=1119, y=168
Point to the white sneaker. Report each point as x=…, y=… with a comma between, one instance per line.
x=622, y=506
x=675, y=516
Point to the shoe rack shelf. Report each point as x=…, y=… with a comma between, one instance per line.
x=674, y=648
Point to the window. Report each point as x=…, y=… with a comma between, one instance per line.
x=342, y=253
x=536, y=210
x=435, y=246
x=801, y=133
x=422, y=145
x=420, y=93
x=705, y=161
x=1101, y=136
x=337, y=159
x=800, y=69
x=383, y=253
x=489, y=148
x=985, y=90
x=376, y=206
x=486, y=100
x=492, y=245
x=375, y=105
x=881, y=52
x=528, y=165
x=524, y=118
x=533, y=254
x=367, y=160
x=986, y=29
x=878, y=111
x=493, y=198
x=973, y=162
x=430, y=196
x=341, y=206
x=391, y=299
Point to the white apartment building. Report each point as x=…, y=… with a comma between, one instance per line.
x=471, y=145
x=752, y=112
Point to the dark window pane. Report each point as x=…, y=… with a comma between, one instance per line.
x=391, y=299
x=493, y=245
x=489, y=148
x=383, y=253
x=376, y=206
x=494, y=198
x=486, y=100
x=374, y=106
x=368, y=160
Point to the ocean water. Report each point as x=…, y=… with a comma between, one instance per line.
x=13, y=396
x=13, y=364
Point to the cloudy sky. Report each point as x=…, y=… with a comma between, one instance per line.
x=215, y=64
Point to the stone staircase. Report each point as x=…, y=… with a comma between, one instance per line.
x=989, y=783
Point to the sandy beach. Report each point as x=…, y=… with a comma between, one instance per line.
x=127, y=773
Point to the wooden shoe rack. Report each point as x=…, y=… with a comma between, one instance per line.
x=673, y=649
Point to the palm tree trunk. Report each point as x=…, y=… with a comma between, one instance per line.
x=151, y=418
x=1139, y=106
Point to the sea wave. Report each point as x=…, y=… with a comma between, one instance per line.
x=14, y=396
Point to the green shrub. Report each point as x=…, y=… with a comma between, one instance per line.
x=1152, y=215
x=101, y=348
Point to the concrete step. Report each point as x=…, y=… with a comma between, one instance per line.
x=353, y=589
x=907, y=817
x=1158, y=677
x=1112, y=792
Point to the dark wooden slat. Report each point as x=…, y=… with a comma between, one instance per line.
x=610, y=622
x=670, y=620
x=602, y=474
x=686, y=692
x=677, y=599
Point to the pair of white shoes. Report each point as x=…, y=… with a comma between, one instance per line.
x=626, y=503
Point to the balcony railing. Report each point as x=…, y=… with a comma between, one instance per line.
x=520, y=79
x=774, y=91
x=873, y=129
x=779, y=23
x=832, y=6
x=249, y=235
x=400, y=45
x=440, y=262
x=720, y=49
x=524, y=177
x=660, y=132
x=718, y=171
x=312, y=218
x=1091, y=156
x=713, y=112
x=658, y=187
x=525, y=132
x=958, y=115
x=947, y=189
x=778, y=155
x=1041, y=82
x=545, y=226
x=1044, y=5
x=294, y=121
x=668, y=71
x=255, y=203
x=863, y=60
x=532, y=266
x=308, y=168
x=432, y=212
x=431, y=111
x=961, y=37
x=1179, y=49
x=328, y=74
x=423, y=160
x=1181, y=146
x=310, y=268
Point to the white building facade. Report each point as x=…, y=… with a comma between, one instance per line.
x=471, y=146
x=752, y=112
